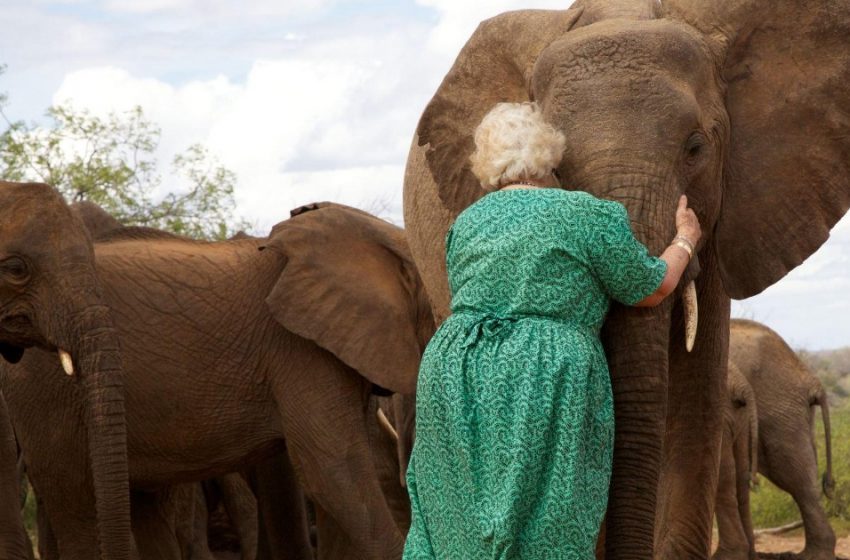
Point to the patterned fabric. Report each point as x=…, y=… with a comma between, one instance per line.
x=514, y=413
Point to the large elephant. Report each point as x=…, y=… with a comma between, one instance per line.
x=51, y=302
x=738, y=468
x=231, y=354
x=786, y=394
x=742, y=105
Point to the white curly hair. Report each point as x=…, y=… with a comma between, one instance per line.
x=514, y=143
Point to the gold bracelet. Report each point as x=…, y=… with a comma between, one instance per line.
x=684, y=245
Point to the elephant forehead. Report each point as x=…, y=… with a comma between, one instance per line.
x=618, y=47
x=33, y=217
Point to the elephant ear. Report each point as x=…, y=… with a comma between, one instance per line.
x=786, y=65
x=494, y=66
x=349, y=285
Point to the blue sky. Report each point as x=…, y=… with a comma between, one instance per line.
x=308, y=100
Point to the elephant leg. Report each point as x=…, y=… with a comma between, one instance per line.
x=191, y=523
x=241, y=507
x=13, y=539
x=48, y=549
x=281, y=514
x=733, y=543
x=797, y=475
x=333, y=543
x=67, y=521
x=195, y=545
x=324, y=406
x=154, y=524
x=696, y=401
x=743, y=474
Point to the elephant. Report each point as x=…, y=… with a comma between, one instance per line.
x=51, y=303
x=739, y=104
x=786, y=393
x=274, y=527
x=192, y=509
x=233, y=351
x=738, y=470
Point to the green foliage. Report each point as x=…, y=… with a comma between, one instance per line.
x=111, y=161
x=772, y=507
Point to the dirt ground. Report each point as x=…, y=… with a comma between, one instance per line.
x=782, y=547
x=770, y=547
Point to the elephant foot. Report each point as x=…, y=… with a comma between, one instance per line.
x=732, y=555
x=819, y=553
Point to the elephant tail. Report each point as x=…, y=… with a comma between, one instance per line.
x=754, y=441
x=828, y=482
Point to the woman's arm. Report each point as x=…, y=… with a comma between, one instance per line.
x=676, y=255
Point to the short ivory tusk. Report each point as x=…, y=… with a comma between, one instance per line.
x=385, y=424
x=67, y=362
x=689, y=297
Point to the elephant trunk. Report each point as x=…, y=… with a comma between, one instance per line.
x=828, y=482
x=13, y=539
x=95, y=353
x=636, y=342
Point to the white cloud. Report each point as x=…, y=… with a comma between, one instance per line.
x=459, y=18
x=216, y=8
x=333, y=121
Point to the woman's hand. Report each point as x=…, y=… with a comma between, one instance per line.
x=687, y=223
x=676, y=256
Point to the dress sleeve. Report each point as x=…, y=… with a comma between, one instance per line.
x=620, y=262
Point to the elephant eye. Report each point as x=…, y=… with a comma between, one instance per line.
x=694, y=147
x=15, y=268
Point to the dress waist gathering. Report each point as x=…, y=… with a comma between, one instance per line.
x=487, y=323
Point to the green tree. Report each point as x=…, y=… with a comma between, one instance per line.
x=111, y=161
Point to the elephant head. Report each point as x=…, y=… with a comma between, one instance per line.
x=740, y=104
x=50, y=298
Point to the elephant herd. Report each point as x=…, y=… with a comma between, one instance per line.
x=137, y=363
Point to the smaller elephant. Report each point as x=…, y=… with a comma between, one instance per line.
x=786, y=393
x=738, y=469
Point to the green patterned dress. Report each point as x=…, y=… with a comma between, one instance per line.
x=514, y=413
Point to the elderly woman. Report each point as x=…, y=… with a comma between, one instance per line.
x=514, y=417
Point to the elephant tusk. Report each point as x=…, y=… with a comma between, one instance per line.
x=385, y=424
x=689, y=298
x=67, y=362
